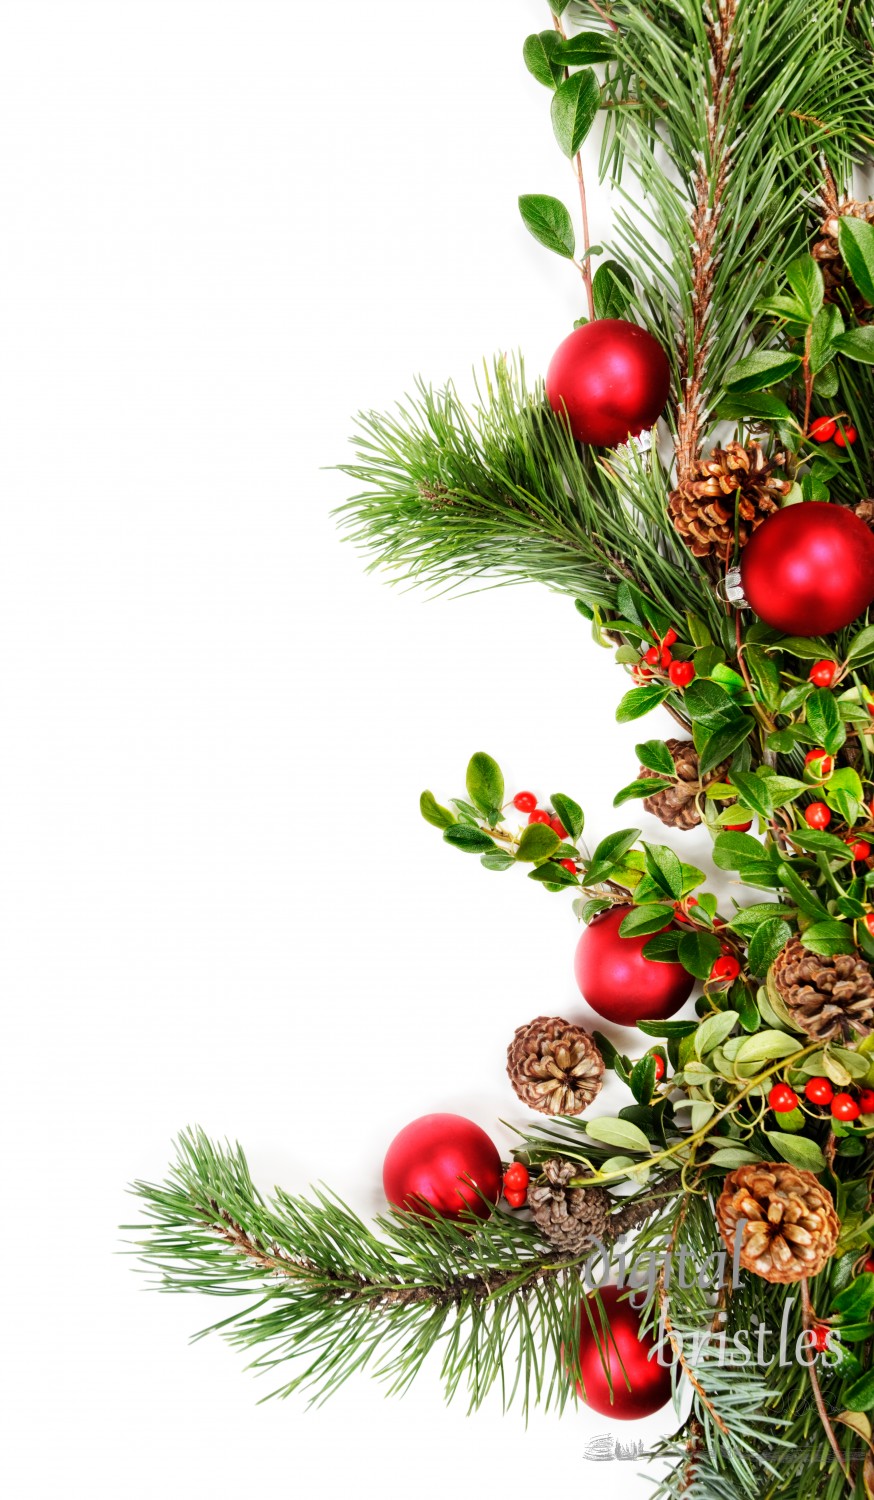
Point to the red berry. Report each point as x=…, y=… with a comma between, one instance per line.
x=817, y=815
x=556, y=826
x=846, y=436
x=844, y=1107
x=869, y=1264
x=860, y=847
x=568, y=864
x=782, y=1099
x=823, y=429
x=670, y=637
x=819, y=1091
x=666, y=658
x=738, y=827
x=866, y=1101
x=725, y=969
x=821, y=1333
x=539, y=816
x=659, y=1066
x=516, y=1177
x=822, y=764
x=869, y=922
x=653, y=656
x=516, y=1199
x=823, y=673
x=525, y=801
x=681, y=673
x=640, y=673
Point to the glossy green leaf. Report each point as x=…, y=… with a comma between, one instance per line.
x=538, y=842
x=433, y=813
x=540, y=53
x=798, y=1150
x=569, y=814
x=469, y=840
x=574, y=107
x=856, y=243
x=761, y=369
x=549, y=222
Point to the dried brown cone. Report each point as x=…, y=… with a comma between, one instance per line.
x=555, y=1067
x=791, y=1227
x=839, y=285
x=724, y=497
x=865, y=512
x=570, y=1218
x=832, y=999
x=677, y=806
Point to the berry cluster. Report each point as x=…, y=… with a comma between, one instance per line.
x=819, y=1091
x=516, y=1180
x=526, y=802
x=659, y=661
x=833, y=430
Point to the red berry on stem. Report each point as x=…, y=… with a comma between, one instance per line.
x=659, y=1066
x=725, y=969
x=516, y=1177
x=653, y=656
x=866, y=1101
x=869, y=1264
x=845, y=437
x=611, y=378
x=556, y=826
x=819, y=1091
x=525, y=801
x=738, y=827
x=568, y=864
x=516, y=1199
x=820, y=763
x=861, y=849
x=782, y=1099
x=640, y=673
x=670, y=637
x=823, y=673
x=823, y=429
x=817, y=815
x=809, y=569
x=681, y=673
x=820, y=1337
x=539, y=816
x=869, y=922
x=844, y=1107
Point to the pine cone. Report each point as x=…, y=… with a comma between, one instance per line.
x=568, y=1217
x=791, y=1226
x=733, y=478
x=677, y=805
x=834, y=272
x=865, y=512
x=555, y=1067
x=832, y=999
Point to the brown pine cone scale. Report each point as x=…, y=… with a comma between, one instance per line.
x=570, y=1218
x=831, y=999
x=724, y=497
x=790, y=1227
x=678, y=805
x=555, y=1067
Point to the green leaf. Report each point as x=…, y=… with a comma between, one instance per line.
x=860, y=1395
x=757, y=404
x=665, y=869
x=569, y=814
x=643, y=1079
x=765, y=944
x=856, y=243
x=538, y=842
x=639, y=701
x=766, y=1046
x=825, y=720
x=553, y=875
x=549, y=222
x=731, y=1157
x=861, y=647
x=485, y=785
x=698, y=953
x=619, y=1133
x=496, y=859
x=797, y=1150
x=805, y=278
x=608, y=854
x=574, y=108
x=809, y=648
x=707, y=702
x=715, y=1030
x=829, y=938
x=652, y=917
x=670, y=1030
x=433, y=813
x=858, y=344
x=664, y=948
x=540, y=54
x=645, y=787
x=801, y=893
x=754, y=792
x=856, y=1301
x=827, y=327
x=613, y=290
x=723, y=743
x=469, y=840
x=584, y=48
x=731, y=850
x=761, y=369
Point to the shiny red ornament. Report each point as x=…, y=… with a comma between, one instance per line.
x=809, y=569
x=618, y=982
x=438, y=1161
x=612, y=378
x=640, y=1385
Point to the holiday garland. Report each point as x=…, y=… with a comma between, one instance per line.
x=728, y=563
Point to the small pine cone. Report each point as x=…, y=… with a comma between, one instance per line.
x=791, y=1226
x=839, y=285
x=677, y=806
x=865, y=512
x=555, y=1067
x=568, y=1217
x=730, y=479
x=832, y=999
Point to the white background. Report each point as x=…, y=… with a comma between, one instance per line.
x=226, y=226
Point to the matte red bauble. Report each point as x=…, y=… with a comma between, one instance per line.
x=612, y=378
x=442, y=1159
x=809, y=569
x=618, y=982
x=648, y=1384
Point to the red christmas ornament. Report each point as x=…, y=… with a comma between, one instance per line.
x=641, y=1385
x=809, y=569
x=618, y=982
x=442, y=1159
x=612, y=378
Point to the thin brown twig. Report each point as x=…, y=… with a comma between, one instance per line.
x=808, y=1319
x=585, y=265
